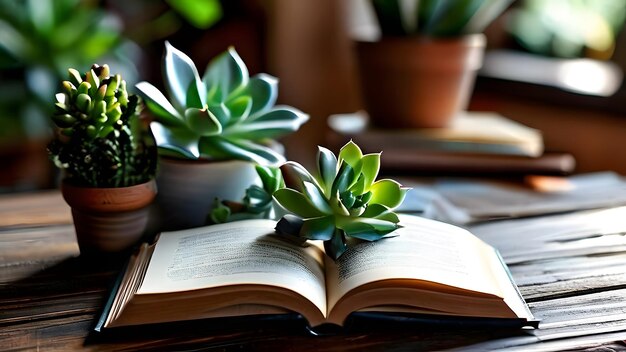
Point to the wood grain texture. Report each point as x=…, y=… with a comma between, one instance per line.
x=50, y=297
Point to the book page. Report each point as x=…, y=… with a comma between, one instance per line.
x=425, y=250
x=237, y=253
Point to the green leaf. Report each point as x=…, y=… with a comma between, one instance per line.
x=387, y=192
x=181, y=77
x=282, y=113
x=201, y=14
x=370, y=168
x=446, y=17
x=179, y=141
x=327, y=167
x=348, y=199
x=220, y=213
x=358, y=187
x=363, y=232
x=228, y=72
x=257, y=199
x=381, y=212
x=288, y=227
x=343, y=180
x=263, y=89
x=337, y=245
x=295, y=175
x=296, y=203
x=351, y=154
x=215, y=94
x=321, y=228
x=358, y=224
x=274, y=124
x=271, y=177
x=195, y=99
x=158, y=104
x=239, y=109
x=221, y=112
x=218, y=148
x=316, y=196
x=202, y=122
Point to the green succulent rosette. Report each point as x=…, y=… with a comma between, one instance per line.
x=224, y=115
x=342, y=200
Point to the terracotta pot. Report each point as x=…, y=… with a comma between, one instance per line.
x=188, y=188
x=109, y=219
x=418, y=82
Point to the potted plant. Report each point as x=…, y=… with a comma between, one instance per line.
x=421, y=72
x=108, y=158
x=341, y=202
x=211, y=131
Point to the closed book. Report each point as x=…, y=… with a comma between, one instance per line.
x=470, y=132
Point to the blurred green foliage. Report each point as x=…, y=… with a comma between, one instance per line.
x=39, y=39
x=437, y=18
x=199, y=13
x=568, y=28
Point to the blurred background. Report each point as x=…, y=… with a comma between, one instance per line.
x=553, y=65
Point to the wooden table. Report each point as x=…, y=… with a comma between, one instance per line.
x=50, y=298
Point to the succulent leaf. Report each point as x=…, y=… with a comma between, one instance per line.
x=203, y=122
x=316, y=196
x=343, y=179
x=295, y=175
x=228, y=72
x=388, y=193
x=74, y=77
x=370, y=169
x=158, y=104
x=181, y=77
x=379, y=211
x=239, y=108
x=351, y=153
x=297, y=203
x=257, y=202
x=178, y=140
x=264, y=90
x=337, y=245
x=327, y=166
x=244, y=149
x=321, y=228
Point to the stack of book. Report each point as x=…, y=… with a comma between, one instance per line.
x=482, y=143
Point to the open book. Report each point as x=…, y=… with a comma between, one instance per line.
x=242, y=268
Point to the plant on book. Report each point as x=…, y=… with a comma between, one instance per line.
x=342, y=201
x=242, y=268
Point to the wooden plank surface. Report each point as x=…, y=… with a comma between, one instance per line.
x=50, y=296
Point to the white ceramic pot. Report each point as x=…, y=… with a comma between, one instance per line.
x=187, y=189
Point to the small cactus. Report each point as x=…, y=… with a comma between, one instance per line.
x=100, y=140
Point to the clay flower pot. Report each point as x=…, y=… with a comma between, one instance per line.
x=188, y=188
x=109, y=219
x=418, y=82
